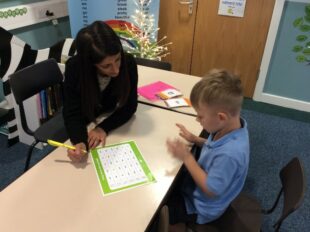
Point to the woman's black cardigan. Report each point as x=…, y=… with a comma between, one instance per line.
x=76, y=123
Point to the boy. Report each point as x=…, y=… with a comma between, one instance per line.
x=218, y=175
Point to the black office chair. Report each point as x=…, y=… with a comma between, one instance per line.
x=245, y=213
x=153, y=63
x=3, y=116
x=30, y=81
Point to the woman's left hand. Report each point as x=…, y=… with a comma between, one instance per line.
x=96, y=137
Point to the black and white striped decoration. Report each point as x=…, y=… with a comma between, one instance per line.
x=15, y=54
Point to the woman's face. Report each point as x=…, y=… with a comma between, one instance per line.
x=110, y=65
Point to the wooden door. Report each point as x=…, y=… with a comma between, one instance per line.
x=233, y=43
x=178, y=24
x=204, y=40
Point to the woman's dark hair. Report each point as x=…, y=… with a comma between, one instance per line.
x=94, y=43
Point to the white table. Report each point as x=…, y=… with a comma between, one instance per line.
x=56, y=195
x=182, y=82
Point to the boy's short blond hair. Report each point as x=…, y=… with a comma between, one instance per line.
x=219, y=88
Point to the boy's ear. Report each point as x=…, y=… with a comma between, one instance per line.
x=222, y=116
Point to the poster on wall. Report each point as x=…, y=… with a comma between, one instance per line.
x=119, y=14
x=232, y=7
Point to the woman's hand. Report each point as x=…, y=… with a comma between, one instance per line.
x=178, y=149
x=79, y=154
x=96, y=137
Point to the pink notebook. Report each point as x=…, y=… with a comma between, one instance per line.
x=150, y=91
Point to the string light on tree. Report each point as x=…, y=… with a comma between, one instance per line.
x=144, y=34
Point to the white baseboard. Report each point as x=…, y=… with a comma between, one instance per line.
x=283, y=101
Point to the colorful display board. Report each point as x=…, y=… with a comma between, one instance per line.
x=118, y=13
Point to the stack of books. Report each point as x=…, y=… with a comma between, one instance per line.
x=49, y=102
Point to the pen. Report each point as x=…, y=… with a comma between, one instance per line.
x=58, y=144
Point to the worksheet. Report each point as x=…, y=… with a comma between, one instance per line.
x=120, y=166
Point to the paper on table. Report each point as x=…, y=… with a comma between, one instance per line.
x=169, y=93
x=120, y=166
x=150, y=91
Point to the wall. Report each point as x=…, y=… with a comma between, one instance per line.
x=287, y=77
x=283, y=80
x=38, y=36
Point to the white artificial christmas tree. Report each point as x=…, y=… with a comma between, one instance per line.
x=144, y=34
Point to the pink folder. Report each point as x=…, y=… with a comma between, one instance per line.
x=150, y=91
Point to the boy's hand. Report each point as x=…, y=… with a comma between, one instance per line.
x=178, y=149
x=77, y=155
x=96, y=137
x=184, y=133
x=190, y=137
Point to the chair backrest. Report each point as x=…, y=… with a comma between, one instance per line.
x=293, y=187
x=3, y=116
x=15, y=55
x=153, y=63
x=31, y=80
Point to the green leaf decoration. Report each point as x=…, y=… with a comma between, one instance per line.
x=308, y=45
x=298, y=22
x=306, y=51
x=307, y=10
x=301, y=58
x=307, y=18
x=301, y=38
x=304, y=28
x=297, y=48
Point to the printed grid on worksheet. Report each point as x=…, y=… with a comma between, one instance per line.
x=121, y=166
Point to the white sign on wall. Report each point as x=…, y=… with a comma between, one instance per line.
x=232, y=7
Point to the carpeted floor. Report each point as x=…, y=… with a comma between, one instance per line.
x=274, y=142
x=274, y=138
x=12, y=160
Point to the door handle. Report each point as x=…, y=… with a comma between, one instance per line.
x=186, y=2
x=190, y=4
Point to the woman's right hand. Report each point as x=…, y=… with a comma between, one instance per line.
x=78, y=154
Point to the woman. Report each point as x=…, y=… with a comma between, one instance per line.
x=100, y=78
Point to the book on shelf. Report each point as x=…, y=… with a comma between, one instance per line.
x=49, y=102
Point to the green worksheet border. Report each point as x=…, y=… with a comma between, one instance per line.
x=101, y=174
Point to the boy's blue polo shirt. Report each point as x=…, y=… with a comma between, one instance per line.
x=226, y=161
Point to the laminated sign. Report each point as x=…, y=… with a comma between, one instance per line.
x=232, y=7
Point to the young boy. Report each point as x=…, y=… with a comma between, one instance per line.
x=218, y=175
